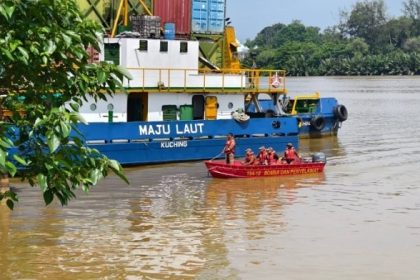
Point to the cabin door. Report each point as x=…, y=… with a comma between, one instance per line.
x=137, y=107
x=211, y=106
x=198, y=107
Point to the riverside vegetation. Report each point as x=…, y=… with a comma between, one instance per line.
x=365, y=42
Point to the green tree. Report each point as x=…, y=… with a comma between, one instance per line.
x=412, y=11
x=358, y=47
x=44, y=77
x=279, y=34
x=413, y=44
x=267, y=36
x=266, y=57
x=365, y=20
x=395, y=32
x=365, y=42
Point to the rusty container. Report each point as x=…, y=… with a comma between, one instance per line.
x=177, y=12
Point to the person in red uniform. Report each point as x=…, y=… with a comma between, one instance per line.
x=250, y=158
x=290, y=154
x=229, y=149
x=262, y=156
x=272, y=157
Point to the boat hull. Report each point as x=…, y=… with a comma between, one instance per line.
x=219, y=169
x=138, y=143
x=307, y=130
x=323, y=120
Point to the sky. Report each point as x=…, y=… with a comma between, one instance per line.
x=251, y=16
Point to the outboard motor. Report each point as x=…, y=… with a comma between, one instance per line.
x=319, y=157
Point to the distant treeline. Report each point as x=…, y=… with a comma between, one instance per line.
x=365, y=42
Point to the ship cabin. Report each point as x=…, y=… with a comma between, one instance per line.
x=169, y=82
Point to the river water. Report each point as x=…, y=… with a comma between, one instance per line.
x=360, y=219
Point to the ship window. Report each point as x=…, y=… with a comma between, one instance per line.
x=143, y=45
x=112, y=53
x=183, y=47
x=230, y=105
x=110, y=107
x=93, y=107
x=163, y=46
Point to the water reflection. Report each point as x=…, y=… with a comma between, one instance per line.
x=256, y=202
x=167, y=228
x=330, y=146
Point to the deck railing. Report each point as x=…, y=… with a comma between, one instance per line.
x=240, y=81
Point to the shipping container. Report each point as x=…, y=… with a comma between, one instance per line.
x=208, y=16
x=200, y=16
x=174, y=11
x=216, y=16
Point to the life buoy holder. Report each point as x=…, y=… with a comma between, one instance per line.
x=276, y=81
x=340, y=111
x=318, y=123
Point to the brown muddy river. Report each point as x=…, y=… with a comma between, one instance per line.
x=360, y=219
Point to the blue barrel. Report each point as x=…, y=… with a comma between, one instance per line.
x=169, y=31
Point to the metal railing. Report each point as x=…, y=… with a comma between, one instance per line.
x=241, y=81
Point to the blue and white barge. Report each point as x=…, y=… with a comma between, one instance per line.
x=172, y=110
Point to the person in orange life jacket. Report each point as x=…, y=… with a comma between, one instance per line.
x=229, y=149
x=290, y=154
x=272, y=157
x=249, y=158
x=262, y=156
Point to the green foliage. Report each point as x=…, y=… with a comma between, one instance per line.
x=413, y=44
x=279, y=34
x=412, y=11
x=366, y=20
x=365, y=42
x=43, y=67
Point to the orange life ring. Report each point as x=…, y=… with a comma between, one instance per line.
x=275, y=81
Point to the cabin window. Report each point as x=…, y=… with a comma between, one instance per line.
x=230, y=105
x=112, y=53
x=93, y=107
x=143, y=45
x=183, y=47
x=110, y=107
x=163, y=46
x=306, y=105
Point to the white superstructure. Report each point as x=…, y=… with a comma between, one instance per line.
x=165, y=73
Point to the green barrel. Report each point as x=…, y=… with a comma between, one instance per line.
x=169, y=112
x=186, y=112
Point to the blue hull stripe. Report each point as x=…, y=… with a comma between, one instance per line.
x=172, y=141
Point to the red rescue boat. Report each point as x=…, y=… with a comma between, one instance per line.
x=219, y=169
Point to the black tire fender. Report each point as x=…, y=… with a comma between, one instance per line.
x=340, y=111
x=318, y=123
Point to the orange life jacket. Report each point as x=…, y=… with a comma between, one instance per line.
x=290, y=154
x=250, y=158
x=262, y=157
x=230, y=146
x=271, y=158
